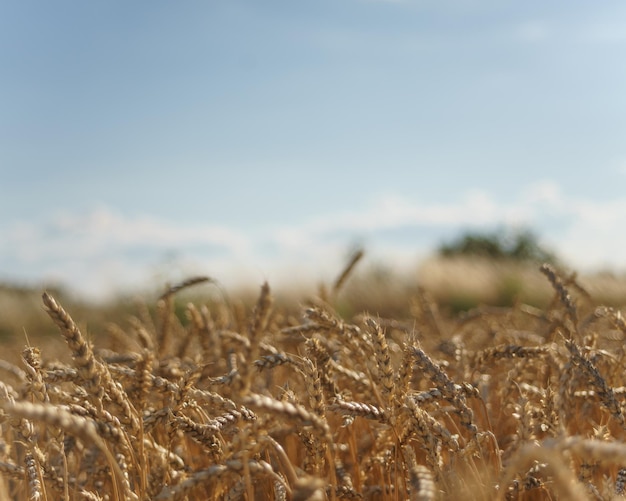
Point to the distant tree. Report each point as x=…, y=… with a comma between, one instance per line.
x=520, y=245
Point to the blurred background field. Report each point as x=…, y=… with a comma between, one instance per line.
x=476, y=270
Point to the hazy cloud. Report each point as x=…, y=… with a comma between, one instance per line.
x=102, y=251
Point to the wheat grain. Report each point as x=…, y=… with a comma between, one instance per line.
x=363, y=409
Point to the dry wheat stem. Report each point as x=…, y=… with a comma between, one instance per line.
x=85, y=429
x=223, y=400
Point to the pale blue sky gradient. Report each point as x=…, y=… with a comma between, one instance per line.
x=240, y=137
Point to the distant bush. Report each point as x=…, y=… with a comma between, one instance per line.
x=521, y=246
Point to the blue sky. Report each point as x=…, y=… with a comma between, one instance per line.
x=246, y=139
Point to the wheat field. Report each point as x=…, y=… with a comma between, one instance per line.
x=216, y=400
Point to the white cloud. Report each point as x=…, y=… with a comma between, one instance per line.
x=89, y=234
x=102, y=251
x=124, y=230
x=543, y=193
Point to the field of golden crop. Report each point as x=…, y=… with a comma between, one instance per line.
x=469, y=386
